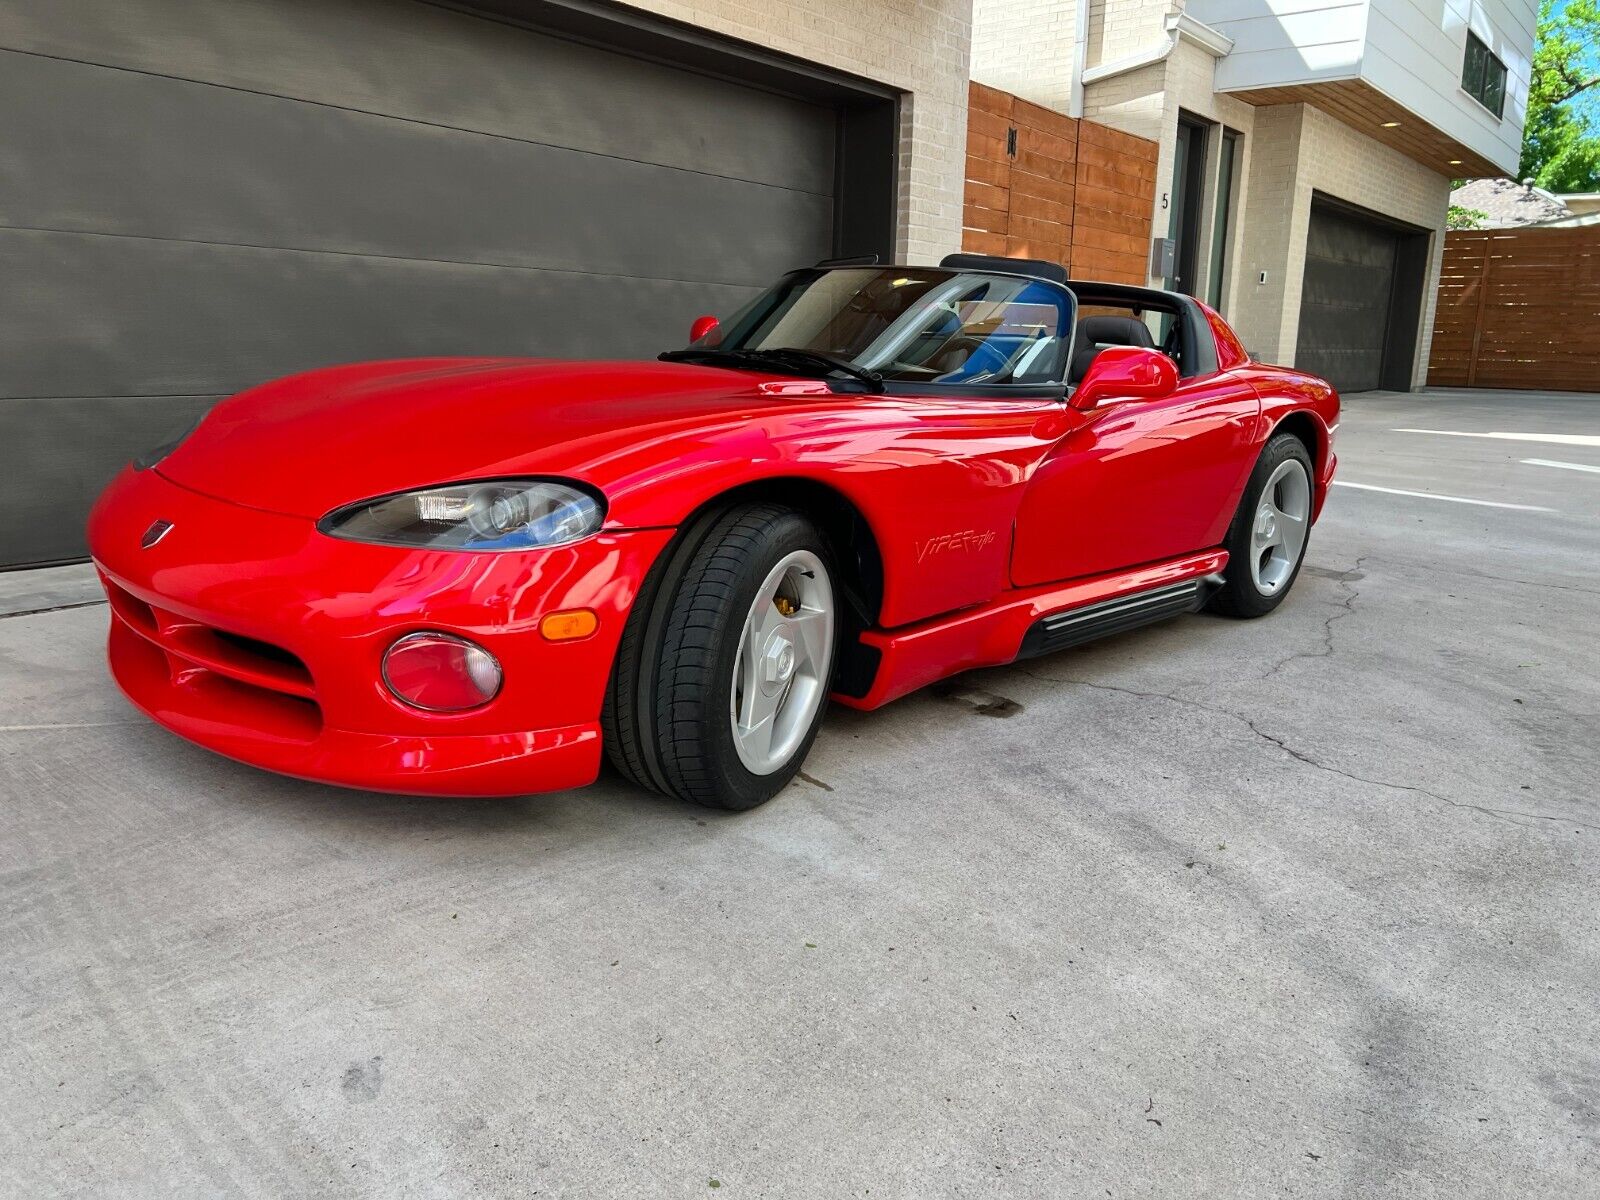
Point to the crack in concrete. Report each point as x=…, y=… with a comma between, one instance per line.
x=68, y=725
x=35, y=612
x=1346, y=607
x=1500, y=814
x=1301, y=756
x=1420, y=566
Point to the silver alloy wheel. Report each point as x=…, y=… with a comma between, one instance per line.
x=1278, y=530
x=785, y=654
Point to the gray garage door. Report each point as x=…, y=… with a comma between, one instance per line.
x=201, y=196
x=1346, y=303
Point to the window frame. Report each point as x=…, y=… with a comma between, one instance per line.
x=1489, y=63
x=1230, y=172
x=1187, y=218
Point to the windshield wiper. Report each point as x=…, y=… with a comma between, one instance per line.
x=837, y=362
x=785, y=358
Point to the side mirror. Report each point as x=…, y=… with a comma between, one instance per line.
x=704, y=327
x=1125, y=373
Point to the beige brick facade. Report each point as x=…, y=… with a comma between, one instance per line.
x=1014, y=64
x=917, y=46
x=1119, y=29
x=1288, y=152
x=1299, y=150
x=925, y=47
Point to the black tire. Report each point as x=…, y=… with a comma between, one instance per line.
x=666, y=718
x=629, y=710
x=1239, y=596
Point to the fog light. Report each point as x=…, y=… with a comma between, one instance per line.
x=440, y=672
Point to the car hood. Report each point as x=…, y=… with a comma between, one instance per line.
x=310, y=443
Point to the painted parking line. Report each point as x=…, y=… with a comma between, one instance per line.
x=1372, y=487
x=1564, y=466
x=1554, y=439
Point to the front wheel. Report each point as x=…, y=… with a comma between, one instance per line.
x=1267, y=540
x=732, y=652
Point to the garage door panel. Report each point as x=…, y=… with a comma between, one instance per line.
x=226, y=166
x=1337, y=238
x=86, y=316
x=202, y=196
x=1345, y=286
x=1346, y=299
x=56, y=456
x=416, y=61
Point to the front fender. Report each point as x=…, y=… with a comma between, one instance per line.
x=938, y=484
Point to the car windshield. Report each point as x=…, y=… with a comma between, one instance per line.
x=911, y=324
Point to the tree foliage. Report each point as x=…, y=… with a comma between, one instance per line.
x=1560, y=146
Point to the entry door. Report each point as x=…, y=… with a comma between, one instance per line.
x=1138, y=482
x=1188, y=191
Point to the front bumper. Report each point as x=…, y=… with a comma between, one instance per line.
x=254, y=635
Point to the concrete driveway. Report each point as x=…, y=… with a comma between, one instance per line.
x=1303, y=906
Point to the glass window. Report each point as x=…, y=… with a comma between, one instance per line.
x=914, y=324
x=1483, y=76
x=1227, y=171
x=1188, y=184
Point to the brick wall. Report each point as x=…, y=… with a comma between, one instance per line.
x=1043, y=185
x=1025, y=47
x=918, y=46
x=1123, y=28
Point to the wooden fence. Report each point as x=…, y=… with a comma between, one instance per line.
x=1041, y=184
x=1519, y=308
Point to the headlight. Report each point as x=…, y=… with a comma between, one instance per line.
x=501, y=514
x=155, y=454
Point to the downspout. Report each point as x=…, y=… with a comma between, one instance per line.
x=1180, y=27
x=1080, y=56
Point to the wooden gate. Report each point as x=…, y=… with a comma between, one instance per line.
x=1041, y=184
x=1519, y=308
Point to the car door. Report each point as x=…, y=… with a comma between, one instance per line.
x=1138, y=481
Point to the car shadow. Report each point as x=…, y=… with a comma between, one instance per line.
x=537, y=821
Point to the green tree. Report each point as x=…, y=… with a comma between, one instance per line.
x=1560, y=147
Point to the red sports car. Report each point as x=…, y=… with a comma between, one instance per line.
x=470, y=576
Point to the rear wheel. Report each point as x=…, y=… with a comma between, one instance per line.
x=1267, y=540
x=725, y=666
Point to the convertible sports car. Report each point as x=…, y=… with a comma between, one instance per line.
x=471, y=576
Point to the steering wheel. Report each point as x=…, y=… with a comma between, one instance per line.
x=976, y=348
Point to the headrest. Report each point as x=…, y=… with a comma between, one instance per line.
x=1114, y=331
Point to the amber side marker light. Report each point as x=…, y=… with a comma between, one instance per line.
x=569, y=625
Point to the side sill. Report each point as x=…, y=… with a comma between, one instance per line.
x=1003, y=630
